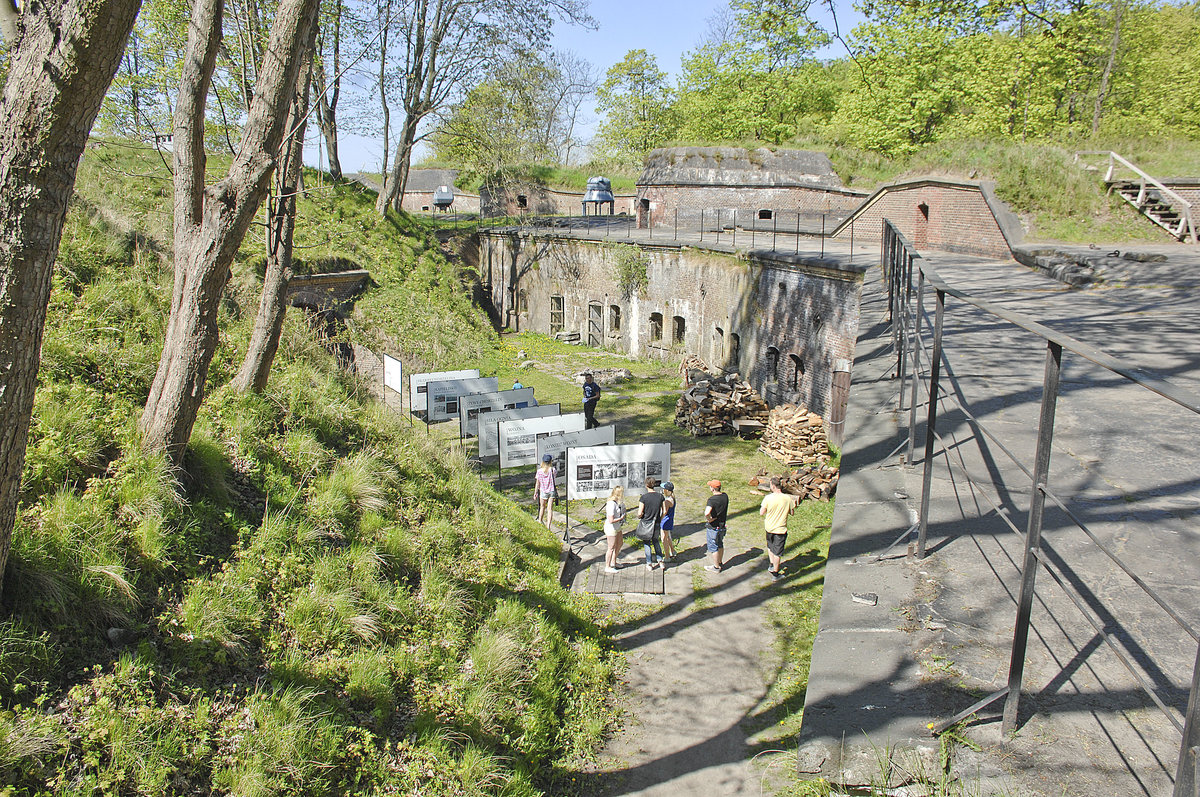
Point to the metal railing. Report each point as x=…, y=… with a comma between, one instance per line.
x=910, y=322
x=1186, y=227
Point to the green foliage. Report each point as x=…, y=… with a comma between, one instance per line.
x=631, y=266
x=638, y=106
x=316, y=588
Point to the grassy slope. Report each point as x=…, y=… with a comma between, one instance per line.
x=321, y=601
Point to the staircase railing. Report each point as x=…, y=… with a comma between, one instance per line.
x=1187, y=228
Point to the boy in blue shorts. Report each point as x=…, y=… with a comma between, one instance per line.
x=715, y=512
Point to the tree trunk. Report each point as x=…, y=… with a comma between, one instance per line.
x=63, y=59
x=211, y=223
x=1102, y=92
x=327, y=95
x=397, y=180
x=281, y=225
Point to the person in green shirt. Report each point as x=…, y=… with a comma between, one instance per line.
x=775, y=510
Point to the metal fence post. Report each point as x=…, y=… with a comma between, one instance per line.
x=753, y=225
x=701, y=225
x=774, y=228
x=916, y=365
x=676, y=224
x=1187, y=772
x=1033, y=534
x=735, y=215
x=935, y=373
x=718, y=226
x=822, y=232
x=901, y=325
x=797, y=249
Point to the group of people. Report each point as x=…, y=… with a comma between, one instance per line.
x=656, y=512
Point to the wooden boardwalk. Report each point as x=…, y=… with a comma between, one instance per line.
x=632, y=577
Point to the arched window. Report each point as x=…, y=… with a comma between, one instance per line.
x=718, y=345
x=783, y=291
x=772, y=363
x=735, y=349
x=656, y=327
x=523, y=302
x=797, y=370
x=678, y=328
x=557, y=315
x=614, y=318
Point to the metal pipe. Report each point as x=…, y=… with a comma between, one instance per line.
x=1033, y=535
x=916, y=368
x=935, y=373
x=1187, y=772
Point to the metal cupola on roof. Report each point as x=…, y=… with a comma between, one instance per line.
x=599, y=191
x=443, y=197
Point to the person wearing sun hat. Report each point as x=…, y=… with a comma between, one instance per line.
x=715, y=513
x=544, y=488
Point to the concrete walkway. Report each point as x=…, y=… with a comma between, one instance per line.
x=939, y=634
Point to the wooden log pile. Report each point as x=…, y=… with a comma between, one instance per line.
x=710, y=403
x=815, y=482
x=795, y=436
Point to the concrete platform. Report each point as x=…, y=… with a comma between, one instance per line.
x=940, y=634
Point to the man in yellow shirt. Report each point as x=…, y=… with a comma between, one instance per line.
x=775, y=510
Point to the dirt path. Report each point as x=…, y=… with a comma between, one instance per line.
x=700, y=665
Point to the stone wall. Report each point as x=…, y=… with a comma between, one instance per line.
x=785, y=323
x=526, y=199
x=422, y=202
x=662, y=204
x=938, y=214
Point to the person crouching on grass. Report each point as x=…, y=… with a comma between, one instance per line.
x=544, y=489
x=614, y=518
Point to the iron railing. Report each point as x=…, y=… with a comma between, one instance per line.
x=910, y=323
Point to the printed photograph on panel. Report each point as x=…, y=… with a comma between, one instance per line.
x=583, y=473
x=654, y=470
x=636, y=476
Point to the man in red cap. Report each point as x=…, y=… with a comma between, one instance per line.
x=715, y=512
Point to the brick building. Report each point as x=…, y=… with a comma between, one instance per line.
x=421, y=185
x=785, y=323
x=521, y=199
x=933, y=213
x=682, y=184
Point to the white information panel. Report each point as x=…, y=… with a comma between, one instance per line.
x=478, y=406
x=489, y=433
x=518, y=439
x=443, y=396
x=593, y=472
x=393, y=374
x=417, y=383
x=556, y=445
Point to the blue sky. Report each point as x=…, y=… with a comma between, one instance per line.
x=666, y=28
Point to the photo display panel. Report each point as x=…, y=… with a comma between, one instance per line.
x=593, y=472
x=489, y=433
x=417, y=383
x=556, y=445
x=393, y=374
x=518, y=439
x=443, y=396
x=477, y=407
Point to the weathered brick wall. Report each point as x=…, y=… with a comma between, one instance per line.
x=948, y=217
x=540, y=201
x=802, y=308
x=422, y=202
x=664, y=201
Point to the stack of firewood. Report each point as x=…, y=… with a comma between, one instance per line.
x=795, y=436
x=817, y=481
x=710, y=403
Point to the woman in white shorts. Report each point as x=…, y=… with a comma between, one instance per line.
x=614, y=518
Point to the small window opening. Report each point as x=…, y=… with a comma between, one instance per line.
x=678, y=328
x=783, y=291
x=523, y=302
x=522, y=201
x=772, y=363
x=718, y=344
x=924, y=208
x=735, y=346
x=765, y=214
x=656, y=326
x=557, y=315
x=797, y=370
x=614, y=318
x=424, y=207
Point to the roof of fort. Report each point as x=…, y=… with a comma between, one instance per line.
x=741, y=168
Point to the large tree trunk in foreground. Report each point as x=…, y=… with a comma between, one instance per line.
x=64, y=59
x=210, y=223
x=281, y=225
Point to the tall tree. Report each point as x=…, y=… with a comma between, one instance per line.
x=637, y=102
x=281, y=225
x=328, y=88
x=63, y=58
x=211, y=222
x=447, y=44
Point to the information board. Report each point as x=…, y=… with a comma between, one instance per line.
x=443, y=395
x=417, y=383
x=518, y=439
x=593, y=472
x=489, y=433
x=556, y=445
x=475, y=406
x=393, y=374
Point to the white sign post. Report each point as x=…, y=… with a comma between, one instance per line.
x=442, y=396
x=478, y=407
x=593, y=472
x=556, y=445
x=393, y=374
x=518, y=438
x=417, y=383
x=489, y=433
